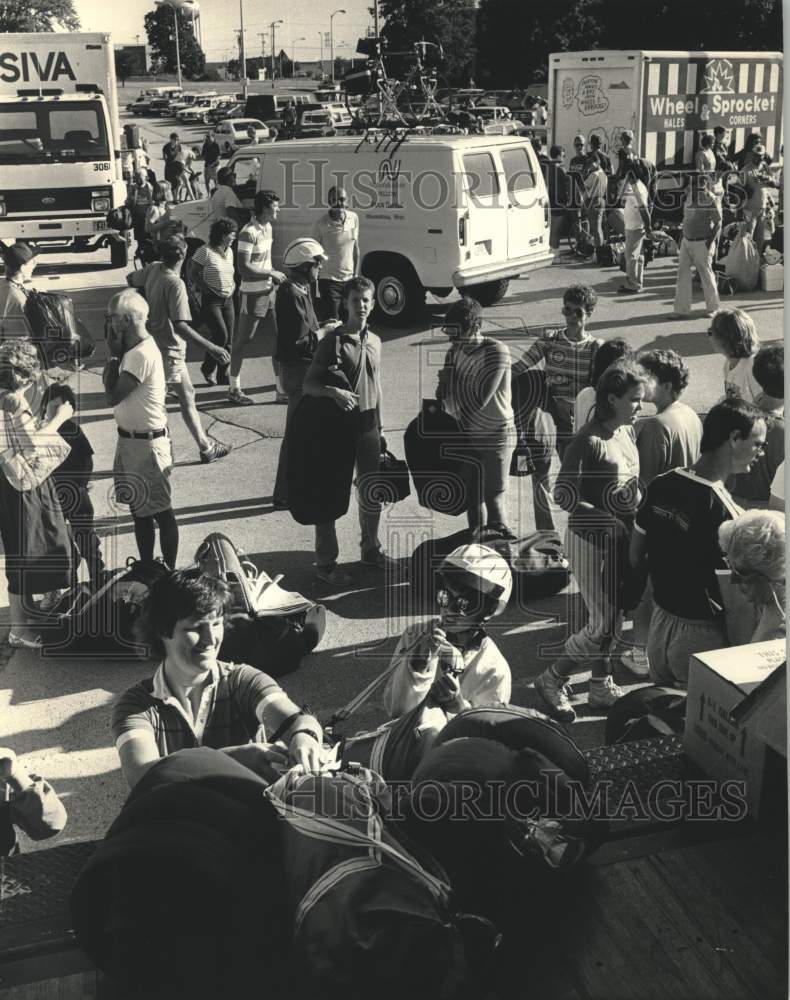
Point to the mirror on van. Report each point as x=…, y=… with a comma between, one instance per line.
x=246, y=169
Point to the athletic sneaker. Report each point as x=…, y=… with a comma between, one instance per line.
x=603, y=692
x=237, y=397
x=554, y=691
x=635, y=660
x=215, y=451
x=504, y=531
x=334, y=576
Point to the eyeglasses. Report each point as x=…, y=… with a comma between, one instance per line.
x=447, y=599
x=108, y=321
x=573, y=311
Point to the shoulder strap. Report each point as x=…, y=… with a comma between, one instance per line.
x=357, y=375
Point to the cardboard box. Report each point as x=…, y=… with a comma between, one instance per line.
x=772, y=277
x=718, y=682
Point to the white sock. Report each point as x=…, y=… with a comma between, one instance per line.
x=235, y=382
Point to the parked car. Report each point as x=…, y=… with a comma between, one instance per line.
x=231, y=134
x=140, y=107
x=225, y=109
x=160, y=107
x=323, y=121
x=491, y=225
x=197, y=112
x=497, y=119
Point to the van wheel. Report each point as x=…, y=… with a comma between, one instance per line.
x=489, y=292
x=400, y=298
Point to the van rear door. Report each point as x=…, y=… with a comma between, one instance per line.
x=526, y=217
x=483, y=227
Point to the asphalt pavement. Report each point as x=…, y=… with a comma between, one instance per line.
x=55, y=712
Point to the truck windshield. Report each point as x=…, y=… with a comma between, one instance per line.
x=48, y=131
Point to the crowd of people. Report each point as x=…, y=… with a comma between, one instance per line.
x=673, y=521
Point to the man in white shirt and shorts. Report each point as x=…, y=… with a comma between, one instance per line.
x=134, y=385
x=258, y=283
x=338, y=234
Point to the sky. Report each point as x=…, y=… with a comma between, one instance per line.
x=221, y=22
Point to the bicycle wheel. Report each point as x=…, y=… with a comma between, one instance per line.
x=579, y=236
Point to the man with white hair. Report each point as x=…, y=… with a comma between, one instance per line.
x=754, y=546
x=134, y=385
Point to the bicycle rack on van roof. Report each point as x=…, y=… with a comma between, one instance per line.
x=395, y=136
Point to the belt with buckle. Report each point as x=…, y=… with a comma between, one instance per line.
x=142, y=435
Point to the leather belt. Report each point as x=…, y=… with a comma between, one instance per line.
x=142, y=435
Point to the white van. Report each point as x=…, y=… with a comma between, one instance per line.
x=435, y=212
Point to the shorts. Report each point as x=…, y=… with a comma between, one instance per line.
x=210, y=172
x=255, y=303
x=141, y=475
x=176, y=370
x=672, y=641
x=490, y=464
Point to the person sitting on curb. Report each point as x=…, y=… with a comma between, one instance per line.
x=27, y=802
x=194, y=699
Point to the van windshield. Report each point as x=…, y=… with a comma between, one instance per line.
x=65, y=132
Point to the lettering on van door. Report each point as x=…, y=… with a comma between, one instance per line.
x=387, y=185
x=30, y=67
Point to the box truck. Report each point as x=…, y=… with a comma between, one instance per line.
x=60, y=148
x=667, y=99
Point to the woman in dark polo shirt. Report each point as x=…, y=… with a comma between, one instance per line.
x=298, y=333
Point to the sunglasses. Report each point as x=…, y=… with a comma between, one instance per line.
x=447, y=599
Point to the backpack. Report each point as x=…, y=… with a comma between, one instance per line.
x=54, y=328
x=537, y=562
x=266, y=627
x=434, y=443
x=605, y=256
x=371, y=914
x=649, y=711
x=104, y=622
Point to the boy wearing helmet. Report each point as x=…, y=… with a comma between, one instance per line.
x=298, y=333
x=451, y=659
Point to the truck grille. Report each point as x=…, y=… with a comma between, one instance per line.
x=54, y=200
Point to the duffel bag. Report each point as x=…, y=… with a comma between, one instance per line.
x=54, y=326
x=388, y=485
x=434, y=446
x=649, y=711
x=370, y=917
x=537, y=562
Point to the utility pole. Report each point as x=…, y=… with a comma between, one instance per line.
x=321, y=36
x=273, y=27
x=242, y=53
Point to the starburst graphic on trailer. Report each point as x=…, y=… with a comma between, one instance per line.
x=719, y=77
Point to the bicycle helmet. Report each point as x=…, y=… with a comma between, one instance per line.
x=303, y=251
x=479, y=570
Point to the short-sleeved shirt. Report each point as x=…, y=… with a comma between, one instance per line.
x=778, y=484
x=473, y=368
x=338, y=238
x=297, y=324
x=144, y=408
x=635, y=200
x=13, y=322
x=241, y=705
x=222, y=198
x=567, y=362
x=217, y=268
x=212, y=154
x=600, y=467
x=740, y=381
x=254, y=245
x=680, y=519
x=168, y=303
x=669, y=440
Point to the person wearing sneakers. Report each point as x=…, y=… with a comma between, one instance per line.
x=452, y=659
x=598, y=485
x=257, y=289
x=134, y=386
x=338, y=234
x=669, y=440
x=358, y=351
x=211, y=271
x=169, y=321
x=636, y=217
x=474, y=386
x=677, y=532
x=701, y=229
x=298, y=333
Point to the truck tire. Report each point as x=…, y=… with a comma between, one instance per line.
x=489, y=292
x=400, y=297
x=119, y=252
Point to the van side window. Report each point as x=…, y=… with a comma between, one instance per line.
x=482, y=177
x=518, y=169
x=246, y=170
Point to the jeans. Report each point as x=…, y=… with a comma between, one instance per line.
x=594, y=568
x=695, y=253
x=331, y=303
x=219, y=315
x=634, y=263
x=292, y=379
x=541, y=496
x=367, y=461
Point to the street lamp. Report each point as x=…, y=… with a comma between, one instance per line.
x=242, y=51
x=273, y=26
x=332, y=41
x=301, y=38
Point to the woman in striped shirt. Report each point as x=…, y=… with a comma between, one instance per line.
x=211, y=273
